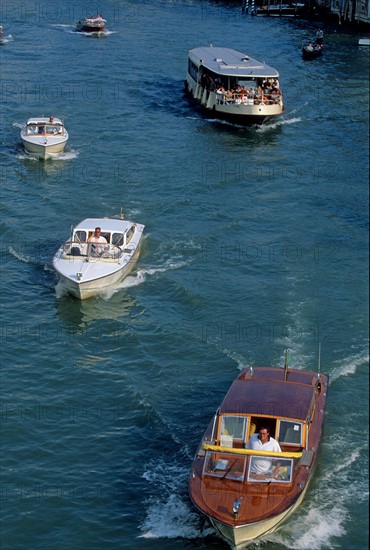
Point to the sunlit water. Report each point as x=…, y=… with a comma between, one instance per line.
x=255, y=240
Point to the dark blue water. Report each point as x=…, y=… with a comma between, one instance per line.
x=255, y=241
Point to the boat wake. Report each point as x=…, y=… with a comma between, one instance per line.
x=170, y=515
x=277, y=124
x=20, y=256
x=67, y=155
x=6, y=39
x=314, y=531
x=350, y=366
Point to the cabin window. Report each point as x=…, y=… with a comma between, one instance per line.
x=233, y=427
x=266, y=469
x=129, y=234
x=224, y=465
x=102, y=234
x=193, y=70
x=80, y=236
x=290, y=432
x=117, y=239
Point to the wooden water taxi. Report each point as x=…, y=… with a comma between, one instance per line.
x=233, y=86
x=247, y=485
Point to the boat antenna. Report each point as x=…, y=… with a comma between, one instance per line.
x=286, y=364
x=319, y=362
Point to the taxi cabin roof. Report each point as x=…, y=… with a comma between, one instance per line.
x=273, y=398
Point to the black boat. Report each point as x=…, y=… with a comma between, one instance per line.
x=312, y=51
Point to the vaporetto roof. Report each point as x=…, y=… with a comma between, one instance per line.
x=228, y=62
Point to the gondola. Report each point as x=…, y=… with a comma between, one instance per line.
x=312, y=51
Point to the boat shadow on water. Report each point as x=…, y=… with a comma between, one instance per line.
x=77, y=316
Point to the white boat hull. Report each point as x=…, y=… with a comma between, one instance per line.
x=38, y=147
x=238, y=110
x=95, y=286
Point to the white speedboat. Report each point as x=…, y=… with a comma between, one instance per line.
x=44, y=136
x=92, y=24
x=98, y=255
x=232, y=85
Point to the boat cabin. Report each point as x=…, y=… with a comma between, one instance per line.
x=116, y=238
x=234, y=76
x=287, y=409
x=44, y=126
x=119, y=241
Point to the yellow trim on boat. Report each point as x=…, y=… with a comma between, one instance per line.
x=208, y=447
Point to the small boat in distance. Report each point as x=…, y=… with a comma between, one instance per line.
x=44, y=137
x=233, y=86
x=293, y=9
x=314, y=49
x=92, y=24
x=364, y=41
x=258, y=454
x=99, y=254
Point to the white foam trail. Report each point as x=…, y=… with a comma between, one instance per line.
x=171, y=519
x=19, y=255
x=313, y=531
x=60, y=290
x=282, y=122
x=350, y=366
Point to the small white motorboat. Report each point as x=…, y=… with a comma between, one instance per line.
x=364, y=41
x=99, y=254
x=44, y=136
x=92, y=24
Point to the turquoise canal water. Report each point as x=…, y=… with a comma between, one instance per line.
x=255, y=241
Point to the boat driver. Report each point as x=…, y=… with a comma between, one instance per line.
x=97, y=240
x=262, y=442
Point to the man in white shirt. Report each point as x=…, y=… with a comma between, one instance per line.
x=262, y=442
x=96, y=239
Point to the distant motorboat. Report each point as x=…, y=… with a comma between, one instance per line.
x=294, y=9
x=44, y=137
x=364, y=41
x=92, y=24
x=99, y=254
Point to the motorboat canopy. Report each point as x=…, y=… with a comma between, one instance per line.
x=228, y=62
